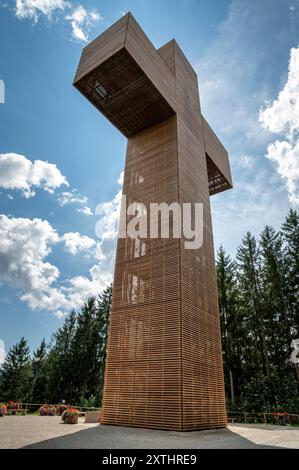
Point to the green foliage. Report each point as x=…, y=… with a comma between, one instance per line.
x=16, y=373
x=258, y=301
x=39, y=373
x=91, y=402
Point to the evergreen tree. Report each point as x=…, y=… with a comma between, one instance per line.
x=60, y=363
x=89, y=347
x=84, y=353
x=274, y=275
x=39, y=374
x=16, y=373
x=253, y=307
x=290, y=233
x=231, y=324
x=103, y=312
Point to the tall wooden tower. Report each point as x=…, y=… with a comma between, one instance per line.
x=164, y=361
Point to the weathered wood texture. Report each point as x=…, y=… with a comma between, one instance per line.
x=219, y=173
x=164, y=360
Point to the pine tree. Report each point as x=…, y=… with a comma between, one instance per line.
x=251, y=288
x=84, y=353
x=231, y=324
x=16, y=373
x=39, y=374
x=60, y=364
x=92, y=330
x=104, y=307
x=274, y=274
x=290, y=233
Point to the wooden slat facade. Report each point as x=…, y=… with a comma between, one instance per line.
x=164, y=361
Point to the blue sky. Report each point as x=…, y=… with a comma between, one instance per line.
x=60, y=158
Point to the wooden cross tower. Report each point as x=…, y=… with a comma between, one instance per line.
x=164, y=360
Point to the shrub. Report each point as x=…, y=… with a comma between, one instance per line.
x=91, y=402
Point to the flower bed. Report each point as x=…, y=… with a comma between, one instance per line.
x=2, y=409
x=282, y=418
x=47, y=410
x=12, y=405
x=70, y=416
x=61, y=408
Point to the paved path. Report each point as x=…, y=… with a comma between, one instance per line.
x=46, y=432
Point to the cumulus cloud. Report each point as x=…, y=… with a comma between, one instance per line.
x=85, y=210
x=282, y=116
x=2, y=351
x=19, y=173
x=286, y=155
x=74, y=242
x=71, y=197
x=24, y=247
x=26, y=243
x=80, y=19
x=32, y=9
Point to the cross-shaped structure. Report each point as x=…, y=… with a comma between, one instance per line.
x=164, y=360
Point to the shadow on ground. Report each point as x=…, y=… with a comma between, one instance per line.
x=116, y=437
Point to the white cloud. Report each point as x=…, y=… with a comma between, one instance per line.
x=85, y=210
x=81, y=21
x=282, y=116
x=2, y=351
x=74, y=242
x=19, y=173
x=24, y=244
x=80, y=18
x=24, y=247
x=32, y=9
x=71, y=197
x=286, y=155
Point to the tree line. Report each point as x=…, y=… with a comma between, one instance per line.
x=259, y=311
x=70, y=368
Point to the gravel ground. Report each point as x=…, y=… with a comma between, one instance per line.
x=46, y=432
